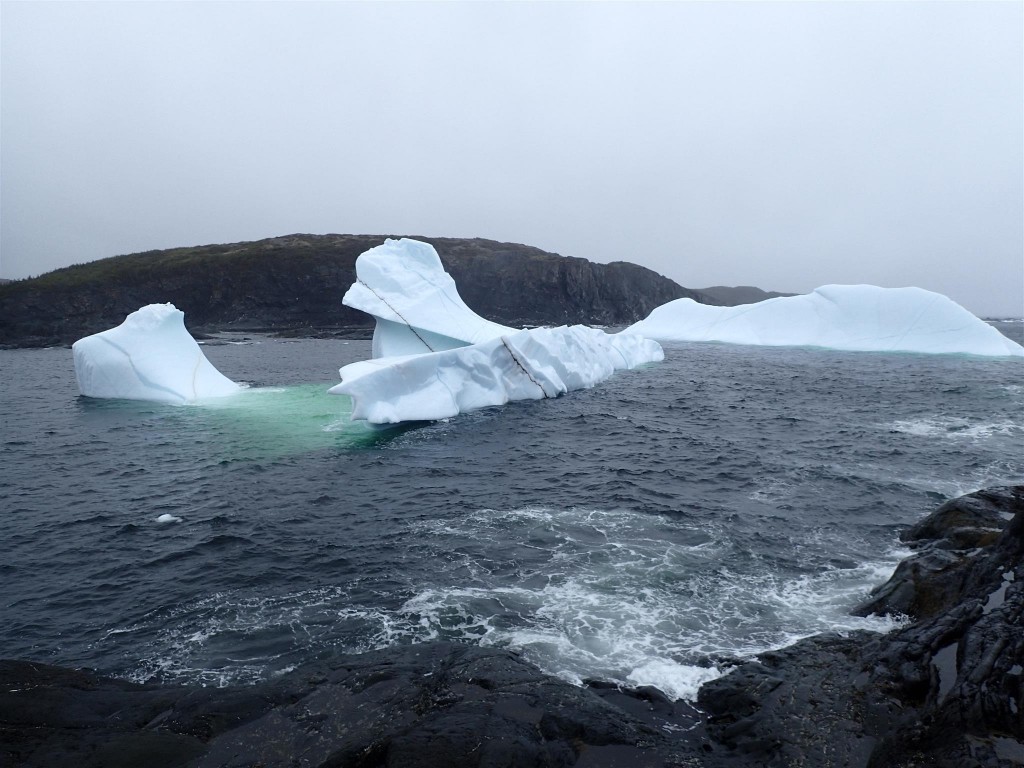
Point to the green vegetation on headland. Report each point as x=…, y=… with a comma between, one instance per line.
x=293, y=285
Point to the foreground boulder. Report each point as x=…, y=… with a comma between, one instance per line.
x=428, y=705
x=945, y=566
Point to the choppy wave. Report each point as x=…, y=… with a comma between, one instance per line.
x=956, y=428
x=585, y=594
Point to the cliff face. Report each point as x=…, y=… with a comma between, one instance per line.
x=296, y=283
x=520, y=285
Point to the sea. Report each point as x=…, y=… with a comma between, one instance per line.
x=653, y=530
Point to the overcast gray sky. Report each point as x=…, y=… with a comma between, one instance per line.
x=781, y=145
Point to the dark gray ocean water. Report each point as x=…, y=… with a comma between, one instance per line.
x=726, y=501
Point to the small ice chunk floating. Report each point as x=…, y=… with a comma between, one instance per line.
x=433, y=357
x=863, y=318
x=150, y=356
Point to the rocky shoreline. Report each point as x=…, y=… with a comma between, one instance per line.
x=946, y=689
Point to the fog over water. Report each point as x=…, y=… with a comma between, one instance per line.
x=784, y=145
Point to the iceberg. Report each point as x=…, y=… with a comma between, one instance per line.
x=862, y=318
x=402, y=283
x=150, y=356
x=434, y=357
x=524, y=365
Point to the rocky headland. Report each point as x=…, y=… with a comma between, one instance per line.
x=293, y=285
x=946, y=689
x=733, y=296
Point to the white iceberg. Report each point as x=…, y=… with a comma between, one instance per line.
x=435, y=358
x=846, y=317
x=523, y=365
x=402, y=283
x=150, y=356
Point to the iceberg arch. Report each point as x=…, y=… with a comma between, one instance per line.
x=434, y=357
x=862, y=318
x=150, y=356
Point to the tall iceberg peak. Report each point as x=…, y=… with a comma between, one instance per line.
x=846, y=317
x=150, y=356
x=434, y=357
x=402, y=283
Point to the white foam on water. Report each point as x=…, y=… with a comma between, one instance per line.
x=956, y=428
x=623, y=597
x=229, y=638
x=677, y=681
x=571, y=630
x=582, y=631
x=880, y=572
x=627, y=597
x=1007, y=470
x=772, y=490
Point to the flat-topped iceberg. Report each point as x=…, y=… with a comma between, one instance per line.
x=847, y=317
x=523, y=365
x=434, y=357
x=150, y=356
x=402, y=283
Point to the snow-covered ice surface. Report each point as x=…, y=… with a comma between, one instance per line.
x=846, y=317
x=402, y=283
x=150, y=356
x=523, y=365
x=434, y=357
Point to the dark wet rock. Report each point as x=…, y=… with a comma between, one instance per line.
x=947, y=542
x=50, y=716
x=968, y=522
x=944, y=690
x=427, y=705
